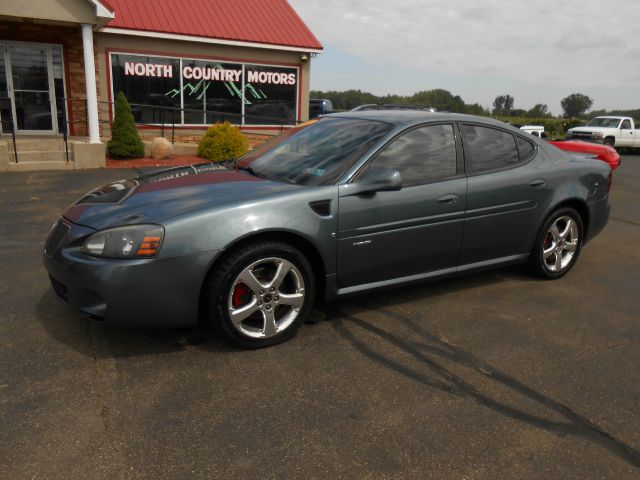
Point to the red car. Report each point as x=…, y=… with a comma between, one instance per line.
x=605, y=153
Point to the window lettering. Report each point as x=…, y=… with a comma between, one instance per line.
x=209, y=91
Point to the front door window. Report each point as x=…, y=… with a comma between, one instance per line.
x=30, y=75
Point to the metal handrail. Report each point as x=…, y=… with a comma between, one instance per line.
x=5, y=104
x=161, y=111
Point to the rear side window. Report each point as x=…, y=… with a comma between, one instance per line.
x=525, y=149
x=422, y=155
x=626, y=124
x=488, y=149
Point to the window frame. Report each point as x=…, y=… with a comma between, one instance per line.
x=468, y=157
x=460, y=173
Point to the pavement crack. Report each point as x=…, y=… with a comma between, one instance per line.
x=605, y=348
x=628, y=222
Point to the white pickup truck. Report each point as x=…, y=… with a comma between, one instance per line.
x=614, y=131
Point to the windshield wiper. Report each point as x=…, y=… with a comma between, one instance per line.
x=251, y=171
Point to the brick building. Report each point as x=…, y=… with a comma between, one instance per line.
x=182, y=65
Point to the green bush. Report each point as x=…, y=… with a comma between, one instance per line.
x=223, y=142
x=125, y=141
x=554, y=127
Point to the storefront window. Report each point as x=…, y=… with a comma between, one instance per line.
x=150, y=83
x=213, y=90
x=270, y=95
x=206, y=91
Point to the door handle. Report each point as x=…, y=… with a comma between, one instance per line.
x=538, y=182
x=448, y=199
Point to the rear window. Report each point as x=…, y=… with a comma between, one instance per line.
x=488, y=149
x=526, y=149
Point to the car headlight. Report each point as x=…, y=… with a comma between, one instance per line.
x=596, y=135
x=135, y=241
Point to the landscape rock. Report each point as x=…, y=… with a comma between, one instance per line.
x=161, y=148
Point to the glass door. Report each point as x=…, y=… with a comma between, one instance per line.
x=31, y=75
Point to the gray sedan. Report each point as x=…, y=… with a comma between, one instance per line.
x=352, y=203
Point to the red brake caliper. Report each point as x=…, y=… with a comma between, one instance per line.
x=240, y=295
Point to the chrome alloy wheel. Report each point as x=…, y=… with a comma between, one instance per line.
x=266, y=297
x=560, y=244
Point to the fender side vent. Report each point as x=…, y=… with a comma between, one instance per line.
x=321, y=207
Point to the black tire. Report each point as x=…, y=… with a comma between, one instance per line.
x=545, y=240
x=609, y=141
x=259, y=257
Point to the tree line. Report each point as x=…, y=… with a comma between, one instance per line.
x=576, y=105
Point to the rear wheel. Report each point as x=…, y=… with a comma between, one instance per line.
x=261, y=294
x=558, y=244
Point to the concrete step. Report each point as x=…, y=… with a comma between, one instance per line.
x=37, y=144
x=39, y=156
x=48, y=165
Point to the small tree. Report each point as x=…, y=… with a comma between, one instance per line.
x=125, y=141
x=503, y=104
x=540, y=110
x=222, y=142
x=576, y=105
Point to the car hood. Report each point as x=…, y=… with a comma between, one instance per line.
x=158, y=196
x=590, y=129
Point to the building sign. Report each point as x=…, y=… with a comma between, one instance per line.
x=148, y=69
x=207, y=91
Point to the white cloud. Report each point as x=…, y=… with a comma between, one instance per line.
x=577, y=44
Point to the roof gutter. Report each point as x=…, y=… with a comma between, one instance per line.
x=216, y=41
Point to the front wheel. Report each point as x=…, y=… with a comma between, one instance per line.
x=558, y=244
x=261, y=294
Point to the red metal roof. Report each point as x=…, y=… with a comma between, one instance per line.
x=272, y=22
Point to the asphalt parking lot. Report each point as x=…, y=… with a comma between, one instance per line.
x=495, y=375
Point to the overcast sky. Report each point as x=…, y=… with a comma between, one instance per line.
x=539, y=51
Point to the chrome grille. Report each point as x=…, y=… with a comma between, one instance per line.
x=55, y=237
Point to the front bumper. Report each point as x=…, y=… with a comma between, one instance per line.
x=137, y=292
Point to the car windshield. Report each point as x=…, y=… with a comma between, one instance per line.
x=317, y=154
x=604, y=122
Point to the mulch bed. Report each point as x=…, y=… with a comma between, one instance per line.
x=175, y=161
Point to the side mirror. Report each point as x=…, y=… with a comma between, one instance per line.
x=378, y=179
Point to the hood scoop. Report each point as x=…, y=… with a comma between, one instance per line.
x=117, y=192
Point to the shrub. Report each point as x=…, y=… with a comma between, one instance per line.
x=223, y=142
x=125, y=141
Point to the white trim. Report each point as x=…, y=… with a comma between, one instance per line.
x=190, y=38
x=101, y=10
x=90, y=80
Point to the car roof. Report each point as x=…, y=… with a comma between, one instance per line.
x=403, y=118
